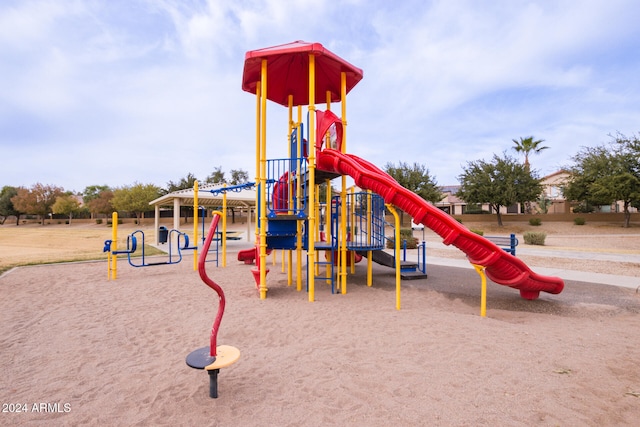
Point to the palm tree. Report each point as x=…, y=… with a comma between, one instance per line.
x=528, y=145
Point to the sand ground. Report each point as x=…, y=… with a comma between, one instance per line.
x=95, y=351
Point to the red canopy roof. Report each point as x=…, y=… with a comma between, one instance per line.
x=288, y=72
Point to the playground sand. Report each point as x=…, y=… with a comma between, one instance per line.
x=78, y=349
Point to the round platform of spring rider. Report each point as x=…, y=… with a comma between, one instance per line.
x=202, y=359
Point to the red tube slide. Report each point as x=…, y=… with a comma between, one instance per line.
x=501, y=267
x=248, y=256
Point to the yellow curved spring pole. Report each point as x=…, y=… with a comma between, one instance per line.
x=483, y=290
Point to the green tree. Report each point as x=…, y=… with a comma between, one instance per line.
x=37, y=200
x=183, y=184
x=6, y=205
x=92, y=192
x=606, y=174
x=101, y=204
x=527, y=146
x=239, y=176
x=97, y=199
x=499, y=183
x=135, y=199
x=216, y=177
x=415, y=178
x=67, y=204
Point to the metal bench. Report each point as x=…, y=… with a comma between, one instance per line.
x=508, y=243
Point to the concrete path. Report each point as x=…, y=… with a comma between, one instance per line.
x=580, y=276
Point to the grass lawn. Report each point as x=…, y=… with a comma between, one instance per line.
x=37, y=244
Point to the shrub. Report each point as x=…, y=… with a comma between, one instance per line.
x=99, y=221
x=478, y=232
x=584, y=208
x=579, y=221
x=534, y=238
x=405, y=234
x=535, y=221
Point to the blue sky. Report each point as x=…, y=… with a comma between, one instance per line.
x=122, y=91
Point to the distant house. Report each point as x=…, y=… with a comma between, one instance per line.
x=556, y=202
x=553, y=200
x=451, y=203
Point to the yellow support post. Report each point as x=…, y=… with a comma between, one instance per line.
x=397, y=257
x=352, y=221
x=327, y=228
x=109, y=264
x=289, y=267
x=291, y=190
x=369, y=268
x=327, y=232
x=311, y=251
x=258, y=156
x=114, y=245
x=343, y=190
x=263, y=181
x=483, y=291
x=195, y=225
x=224, y=227
x=299, y=223
x=316, y=233
x=369, y=230
x=283, y=260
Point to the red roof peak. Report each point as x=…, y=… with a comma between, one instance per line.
x=288, y=72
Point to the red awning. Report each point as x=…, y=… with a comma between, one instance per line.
x=288, y=73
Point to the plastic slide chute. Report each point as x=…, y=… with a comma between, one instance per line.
x=248, y=256
x=501, y=267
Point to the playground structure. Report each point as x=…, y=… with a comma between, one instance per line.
x=300, y=74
